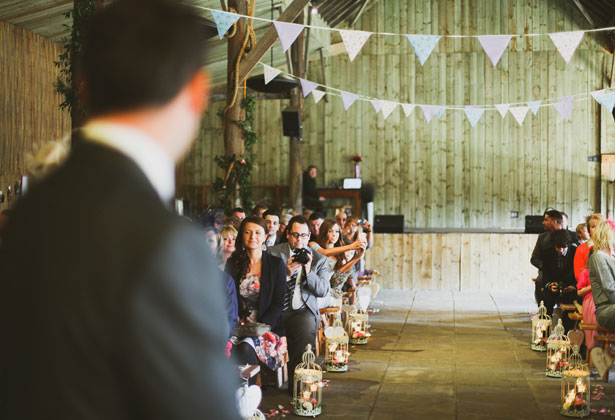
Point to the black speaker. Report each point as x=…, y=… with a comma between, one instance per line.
x=533, y=224
x=389, y=223
x=291, y=122
x=367, y=192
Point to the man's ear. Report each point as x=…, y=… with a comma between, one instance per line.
x=199, y=91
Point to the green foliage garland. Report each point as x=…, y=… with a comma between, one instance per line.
x=240, y=167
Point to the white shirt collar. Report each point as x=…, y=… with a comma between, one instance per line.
x=155, y=163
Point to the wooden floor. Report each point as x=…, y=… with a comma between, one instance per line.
x=443, y=355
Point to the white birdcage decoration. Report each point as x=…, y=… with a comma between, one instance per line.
x=336, y=347
x=307, y=387
x=248, y=399
x=541, y=329
x=575, y=387
x=558, y=351
x=357, y=327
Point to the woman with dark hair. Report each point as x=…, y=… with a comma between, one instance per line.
x=260, y=280
x=342, y=257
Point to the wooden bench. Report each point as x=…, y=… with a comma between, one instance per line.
x=605, y=338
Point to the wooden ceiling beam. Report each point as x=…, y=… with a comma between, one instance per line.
x=268, y=39
x=36, y=10
x=359, y=13
x=585, y=13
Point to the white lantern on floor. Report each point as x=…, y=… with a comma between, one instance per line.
x=358, y=329
x=336, y=348
x=307, y=387
x=558, y=351
x=541, y=329
x=575, y=387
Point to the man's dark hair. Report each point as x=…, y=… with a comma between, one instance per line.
x=555, y=215
x=316, y=215
x=140, y=53
x=560, y=238
x=309, y=168
x=302, y=220
x=238, y=210
x=271, y=213
x=258, y=207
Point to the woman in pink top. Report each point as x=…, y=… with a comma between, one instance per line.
x=581, y=273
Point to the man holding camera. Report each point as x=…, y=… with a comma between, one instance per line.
x=307, y=278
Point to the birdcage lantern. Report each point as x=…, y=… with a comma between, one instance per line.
x=357, y=326
x=336, y=347
x=541, y=329
x=558, y=351
x=575, y=387
x=307, y=386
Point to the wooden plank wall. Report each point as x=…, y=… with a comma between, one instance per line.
x=28, y=103
x=447, y=174
x=453, y=261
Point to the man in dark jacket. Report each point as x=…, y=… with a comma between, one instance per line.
x=311, y=199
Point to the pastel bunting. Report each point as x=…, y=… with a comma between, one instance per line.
x=354, y=41
x=307, y=86
x=224, y=21
x=287, y=32
x=474, y=114
x=423, y=45
x=519, y=112
x=270, y=73
x=494, y=46
x=564, y=107
x=566, y=43
x=348, y=99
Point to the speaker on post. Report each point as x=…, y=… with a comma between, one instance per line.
x=291, y=123
x=389, y=223
x=533, y=224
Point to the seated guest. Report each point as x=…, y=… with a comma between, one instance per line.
x=341, y=259
x=602, y=274
x=340, y=219
x=581, y=273
x=356, y=228
x=559, y=284
x=311, y=199
x=552, y=221
x=272, y=219
x=582, y=233
x=238, y=212
x=316, y=220
x=260, y=280
x=258, y=210
x=232, y=221
x=228, y=235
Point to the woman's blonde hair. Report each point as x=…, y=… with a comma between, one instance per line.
x=603, y=236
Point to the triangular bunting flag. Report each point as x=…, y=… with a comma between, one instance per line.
x=377, y=105
x=270, y=73
x=440, y=112
x=473, y=114
x=348, y=99
x=287, y=32
x=224, y=21
x=317, y=94
x=423, y=45
x=354, y=41
x=605, y=99
x=494, y=46
x=564, y=107
x=519, y=112
x=387, y=108
x=307, y=86
x=534, y=106
x=430, y=111
x=502, y=109
x=408, y=108
x=566, y=43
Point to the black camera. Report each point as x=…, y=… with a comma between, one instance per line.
x=302, y=256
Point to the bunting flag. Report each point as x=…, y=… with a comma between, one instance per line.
x=534, y=106
x=423, y=45
x=348, y=99
x=474, y=114
x=441, y=112
x=377, y=105
x=564, y=107
x=430, y=111
x=317, y=94
x=605, y=99
x=494, y=46
x=519, y=112
x=270, y=73
x=388, y=107
x=566, y=43
x=307, y=86
x=287, y=32
x=502, y=109
x=224, y=21
x=408, y=108
x=354, y=41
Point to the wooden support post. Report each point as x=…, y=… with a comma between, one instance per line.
x=295, y=170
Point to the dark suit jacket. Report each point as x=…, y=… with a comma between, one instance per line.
x=559, y=269
x=110, y=307
x=271, y=296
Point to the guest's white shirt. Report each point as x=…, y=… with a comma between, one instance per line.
x=150, y=157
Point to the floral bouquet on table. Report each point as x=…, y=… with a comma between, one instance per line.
x=357, y=158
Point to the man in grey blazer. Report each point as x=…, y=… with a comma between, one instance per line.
x=304, y=283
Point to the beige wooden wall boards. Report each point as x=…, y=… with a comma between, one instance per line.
x=453, y=261
x=29, y=112
x=447, y=174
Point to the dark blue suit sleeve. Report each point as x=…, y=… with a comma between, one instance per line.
x=277, y=275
